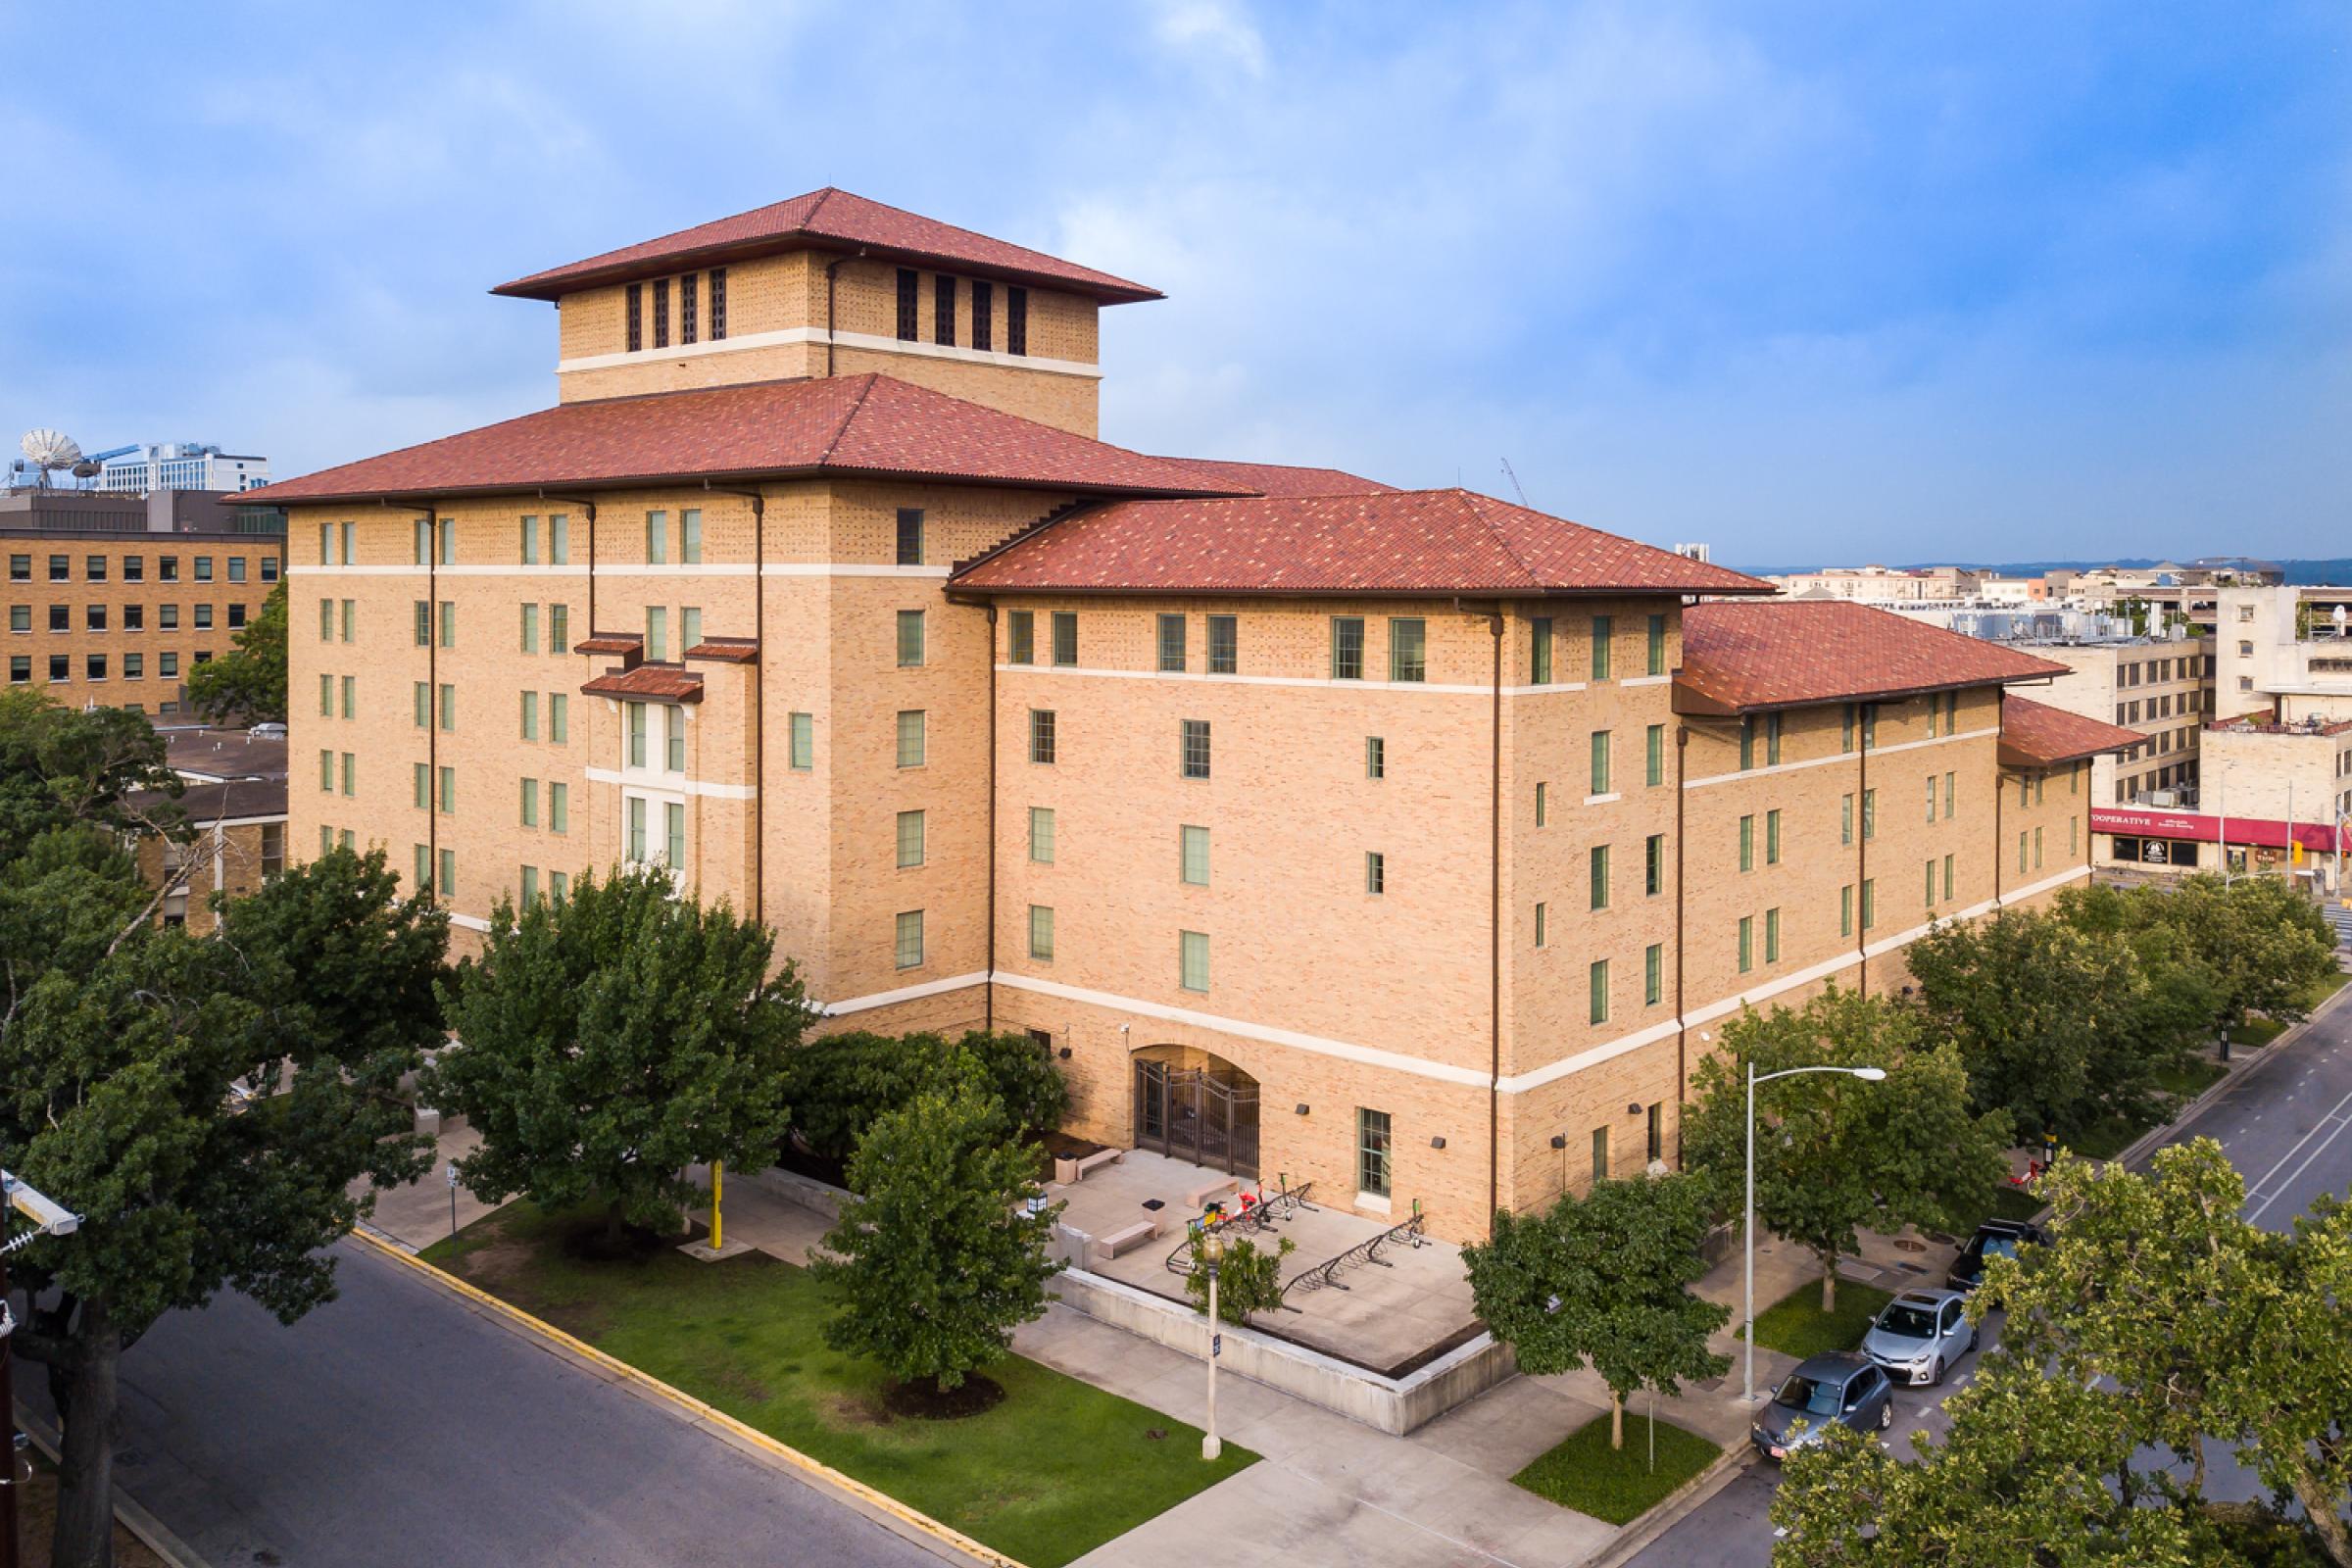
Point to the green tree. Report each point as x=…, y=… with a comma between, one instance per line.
x=1249, y=1276
x=941, y=1252
x=608, y=1040
x=2257, y=943
x=1605, y=1280
x=120, y=1052
x=65, y=766
x=1835, y=1154
x=839, y=1083
x=2052, y=1025
x=247, y=684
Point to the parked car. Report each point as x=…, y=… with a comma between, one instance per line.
x=1841, y=1388
x=1920, y=1335
x=1995, y=1238
x=268, y=729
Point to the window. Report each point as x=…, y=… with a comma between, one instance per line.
x=1041, y=735
x=94, y=667
x=673, y=735
x=19, y=617
x=1748, y=742
x=1539, y=650
x=718, y=303
x=1947, y=797
x=448, y=707
x=911, y=840
x=1846, y=819
x=1597, y=990
x=983, y=313
x=1772, y=837
x=559, y=539
x=449, y=624
x=1171, y=644
x=167, y=569
x=530, y=802
x=168, y=667
x=236, y=617
x=326, y=772
x=908, y=327
x=529, y=551
x=424, y=621
x=530, y=885
x=1656, y=665
x=1375, y=757
x=911, y=639
x=447, y=887
x=167, y=616
x=1376, y=872
x=1346, y=648
x=134, y=667
x=1017, y=318
x=1772, y=936
x=420, y=786
x=559, y=629
x=1065, y=637
x=60, y=569
x=134, y=568
x=1372, y=1152
x=101, y=675
x=449, y=791
x=1870, y=815
x=204, y=617
x=1600, y=753
x=1601, y=635
x=1540, y=805
x=1870, y=725
x=1224, y=645
x=350, y=697
x=1192, y=854
x=1653, y=865
x=1597, y=875
x=1192, y=950
x=910, y=738
x=1654, y=756
x=1772, y=740
x=93, y=568
x=1845, y=910
x=804, y=742
x=943, y=310
x=1041, y=933
x=661, y=312
x=559, y=811
x=20, y=569
x=687, y=307
x=636, y=829
x=1747, y=943
x=1748, y=842
x=61, y=668
x=656, y=538
x=1870, y=902
x=1020, y=637
x=634, y=313
x=449, y=541
x=1600, y=1153
x=1409, y=651
x=1541, y=912
x=910, y=536
x=559, y=717
x=1195, y=748
x=531, y=628
x=636, y=723
x=1041, y=834
x=93, y=617
x=1653, y=974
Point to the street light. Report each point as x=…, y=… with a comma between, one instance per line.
x=1213, y=1252
x=48, y=1219
x=1748, y=1223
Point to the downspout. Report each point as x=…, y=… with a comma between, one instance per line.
x=1682, y=1020
x=831, y=267
x=1494, y=927
x=587, y=510
x=988, y=988
x=759, y=500
x=1999, y=788
x=1864, y=820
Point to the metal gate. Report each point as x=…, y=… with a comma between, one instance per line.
x=1207, y=1115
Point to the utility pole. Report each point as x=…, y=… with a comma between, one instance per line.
x=49, y=1219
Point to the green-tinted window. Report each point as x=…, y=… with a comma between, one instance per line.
x=1600, y=1153
x=636, y=829
x=447, y=886
x=1041, y=933
x=1376, y=872
x=531, y=628
x=911, y=638
x=1171, y=644
x=1193, y=855
x=449, y=791
x=1597, y=872
x=1772, y=838
x=529, y=553
x=1947, y=860
x=1654, y=756
x=1653, y=974
x=1193, y=959
x=656, y=538
x=1042, y=738
x=1653, y=865
x=1870, y=815
x=1870, y=902
x=1224, y=645
x=803, y=741
x=559, y=717
x=1846, y=819
x=530, y=802
x=424, y=621
x=448, y=707
x=1539, y=647
x=349, y=616
x=1194, y=753
x=1928, y=868
x=1748, y=844
x=1600, y=747
x=559, y=808
x=326, y=621
x=423, y=879
x=559, y=629
x=1772, y=936
x=1603, y=633
x=673, y=731
x=636, y=722
x=530, y=885
x=449, y=624
x=1542, y=934
x=1845, y=910
x=530, y=716
x=909, y=949
x=1372, y=1152
x=1597, y=990
x=559, y=539
x=910, y=737
x=1346, y=648
x=656, y=633
x=1772, y=739
x=326, y=772
x=350, y=697
x=1375, y=757
x=326, y=693
x=1539, y=803
x=422, y=778
x=1845, y=729
x=1065, y=637
x=1657, y=645
x=1748, y=742
x=1041, y=834
x=690, y=629
x=690, y=535
x=1747, y=943
x=1020, y=637
x=910, y=839
x=1408, y=650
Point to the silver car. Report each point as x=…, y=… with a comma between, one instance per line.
x=1920, y=1335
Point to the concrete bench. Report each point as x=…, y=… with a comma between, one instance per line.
x=1094, y=1161
x=1128, y=1240
x=1197, y=1199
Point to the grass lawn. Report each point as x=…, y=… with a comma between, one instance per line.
x=2320, y=989
x=1053, y=1471
x=1618, y=1484
x=2192, y=1080
x=2108, y=1137
x=2256, y=1031
x=1795, y=1325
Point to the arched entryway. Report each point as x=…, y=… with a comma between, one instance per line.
x=1190, y=1104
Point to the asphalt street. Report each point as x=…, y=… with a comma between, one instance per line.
x=399, y=1425
x=2286, y=1123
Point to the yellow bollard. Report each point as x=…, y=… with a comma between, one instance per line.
x=719, y=1180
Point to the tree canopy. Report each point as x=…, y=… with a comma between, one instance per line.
x=838, y=1084
x=247, y=684
x=608, y=1041
x=1835, y=1154
x=1604, y=1280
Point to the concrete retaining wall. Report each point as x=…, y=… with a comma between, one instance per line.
x=806, y=1190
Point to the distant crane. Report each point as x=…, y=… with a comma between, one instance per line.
x=90, y=466
x=1509, y=474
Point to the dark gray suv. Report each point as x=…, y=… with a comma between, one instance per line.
x=1841, y=1388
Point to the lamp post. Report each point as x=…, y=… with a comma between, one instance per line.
x=1213, y=1252
x=49, y=1219
x=1748, y=1222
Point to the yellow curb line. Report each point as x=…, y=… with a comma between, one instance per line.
x=880, y=1501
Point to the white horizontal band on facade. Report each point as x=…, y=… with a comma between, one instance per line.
x=846, y=569
x=1409, y=686
x=1846, y=758
x=774, y=569
x=913, y=993
x=662, y=784
x=470, y=922
x=789, y=336
x=1646, y=680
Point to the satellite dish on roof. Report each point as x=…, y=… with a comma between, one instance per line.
x=50, y=449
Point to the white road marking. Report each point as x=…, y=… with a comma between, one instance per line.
x=2333, y=1112
x=2340, y=1125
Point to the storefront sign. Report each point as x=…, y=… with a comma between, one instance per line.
x=2319, y=836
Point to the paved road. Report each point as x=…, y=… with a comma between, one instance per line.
x=400, y=1426
x=2286, y=1123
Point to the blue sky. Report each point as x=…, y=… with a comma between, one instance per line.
x=1810, y=281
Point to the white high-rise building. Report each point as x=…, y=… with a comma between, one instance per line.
x=182, y=465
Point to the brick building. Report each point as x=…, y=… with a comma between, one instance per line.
x=1406, y=843
x=234, y=800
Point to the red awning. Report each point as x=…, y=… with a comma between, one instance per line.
x=2319, y=836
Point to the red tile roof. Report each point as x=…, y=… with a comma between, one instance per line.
x=852, y=424
x=727, y=649
x=610, y=642
x=1385, y=542
x=652, y=683
x=1783, y=653
x=1285, y=479
x=2038, y=735
x=834, y=219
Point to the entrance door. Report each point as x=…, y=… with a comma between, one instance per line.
x=1198, y=1107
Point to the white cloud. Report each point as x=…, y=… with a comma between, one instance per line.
x=1211, y=30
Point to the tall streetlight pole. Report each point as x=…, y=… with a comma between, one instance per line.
x=1748, y=1223
x=49, y=1219
x=1213, y=1252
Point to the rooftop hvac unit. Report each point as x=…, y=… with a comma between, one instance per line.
x=2167, y=799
